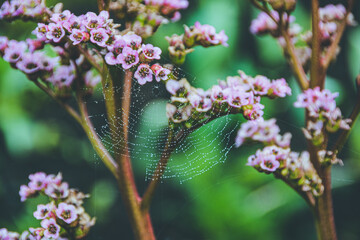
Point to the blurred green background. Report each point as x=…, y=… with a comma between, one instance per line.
x=230, y=200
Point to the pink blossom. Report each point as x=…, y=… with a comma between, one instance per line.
x=77, y=36
x=55, y=32
x=29, y=64
x=172, y=86
x=63, y=76
x=220, y=95
x=14, y=52
x=178, y=115
x=44, y=211
x=111, y=59
x=92, y=21
x=25, y=192
x=52, y=230
x=160, y=72
x=3, y=43
x=238, y=97
x=260, y=85
x=74, y=22
x=117, y=46
x=128, y=58
x=132, y=41
x=37, y=181
x=280, y=88
x=61, y=17
x=57, y=191
x=151, y=52
x=269, y=163
x=99, y=36
x=143, y=74
x=41, y=30
x=91, y=80
x=66, y=212
x=263, y=23
x=34, y=44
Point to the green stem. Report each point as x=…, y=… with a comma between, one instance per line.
x=95, y=140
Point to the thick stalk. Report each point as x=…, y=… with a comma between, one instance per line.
x=140, y=220
x=317, y=74
x=324, y=215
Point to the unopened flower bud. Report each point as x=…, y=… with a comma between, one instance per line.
x=283, y=5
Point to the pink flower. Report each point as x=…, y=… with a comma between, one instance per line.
x=55, y=32
x=160, y=72
x=263, y=23
x=238, y=97
x=280, y=88
x=57, y=191
x=52, y=230
x=74, y=22
x=117, y=46
x=220, y=95
x=151, y=52
x=14, y=51
x=37, y=181
x=34, y=44
x=178, y=115
x=61, y=17
x=128, y=58
x=269, y=163
x=44, y=211
x=92, y=21
x=77, y=36
x=143, y=74
x=260, y=85
x=66, y=212
x=29, y=63
x=3, y=43
x=99, y=36
x=111, y=59
x=63, y=76
x=41, y=30
x=172, y=86
x=132, y=41
x=25, y=192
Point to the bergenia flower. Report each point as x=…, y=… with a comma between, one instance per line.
x=61, y=17
x=143, y=74
x=55, y=32
x=77, y=36
x=99, y=36
x=128, y=58
x=160, y=72
x=52, y=230
x=269, y=163
x=26, y=192
x=37, y=181
x=57, y=191
x=44, y=211
x=132, y=41
x=66, y=212
x=151, y=52
x=28, y=64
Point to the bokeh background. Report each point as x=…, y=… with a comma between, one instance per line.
x=229, y=201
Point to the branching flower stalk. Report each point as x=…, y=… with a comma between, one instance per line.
x=93, y=49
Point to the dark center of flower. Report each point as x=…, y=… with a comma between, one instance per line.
x=93, y=23
x=52, y=228
x=15, y=56
x=62, y=16
x=149, y=52
x=44, y=212
x=98, y=37
x=236, y=101
x=32, y=66
x=220, y=96
x=57, y=32
x=130, y=59
x=79, y=36
x=177, y=115
x=144, y=72
x=66, y=214
x=269, y=164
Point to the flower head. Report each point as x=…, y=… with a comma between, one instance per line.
x=143, y=74
x=52, y=230
x=66, y=212
x=150, y=52
x=128, y=58
x=99, y=36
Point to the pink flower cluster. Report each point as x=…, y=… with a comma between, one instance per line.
x=89, y=27
x=169, y=8
x=239, y=94
x=264, y=24
x=11, y=10
x=204, y=35
x=65, y=208
x=7, y=235
x=264, y=131
x=290, y=166
x=322, y=108
x=22, y=56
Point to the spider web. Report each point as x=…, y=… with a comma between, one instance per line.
x=148, y=128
